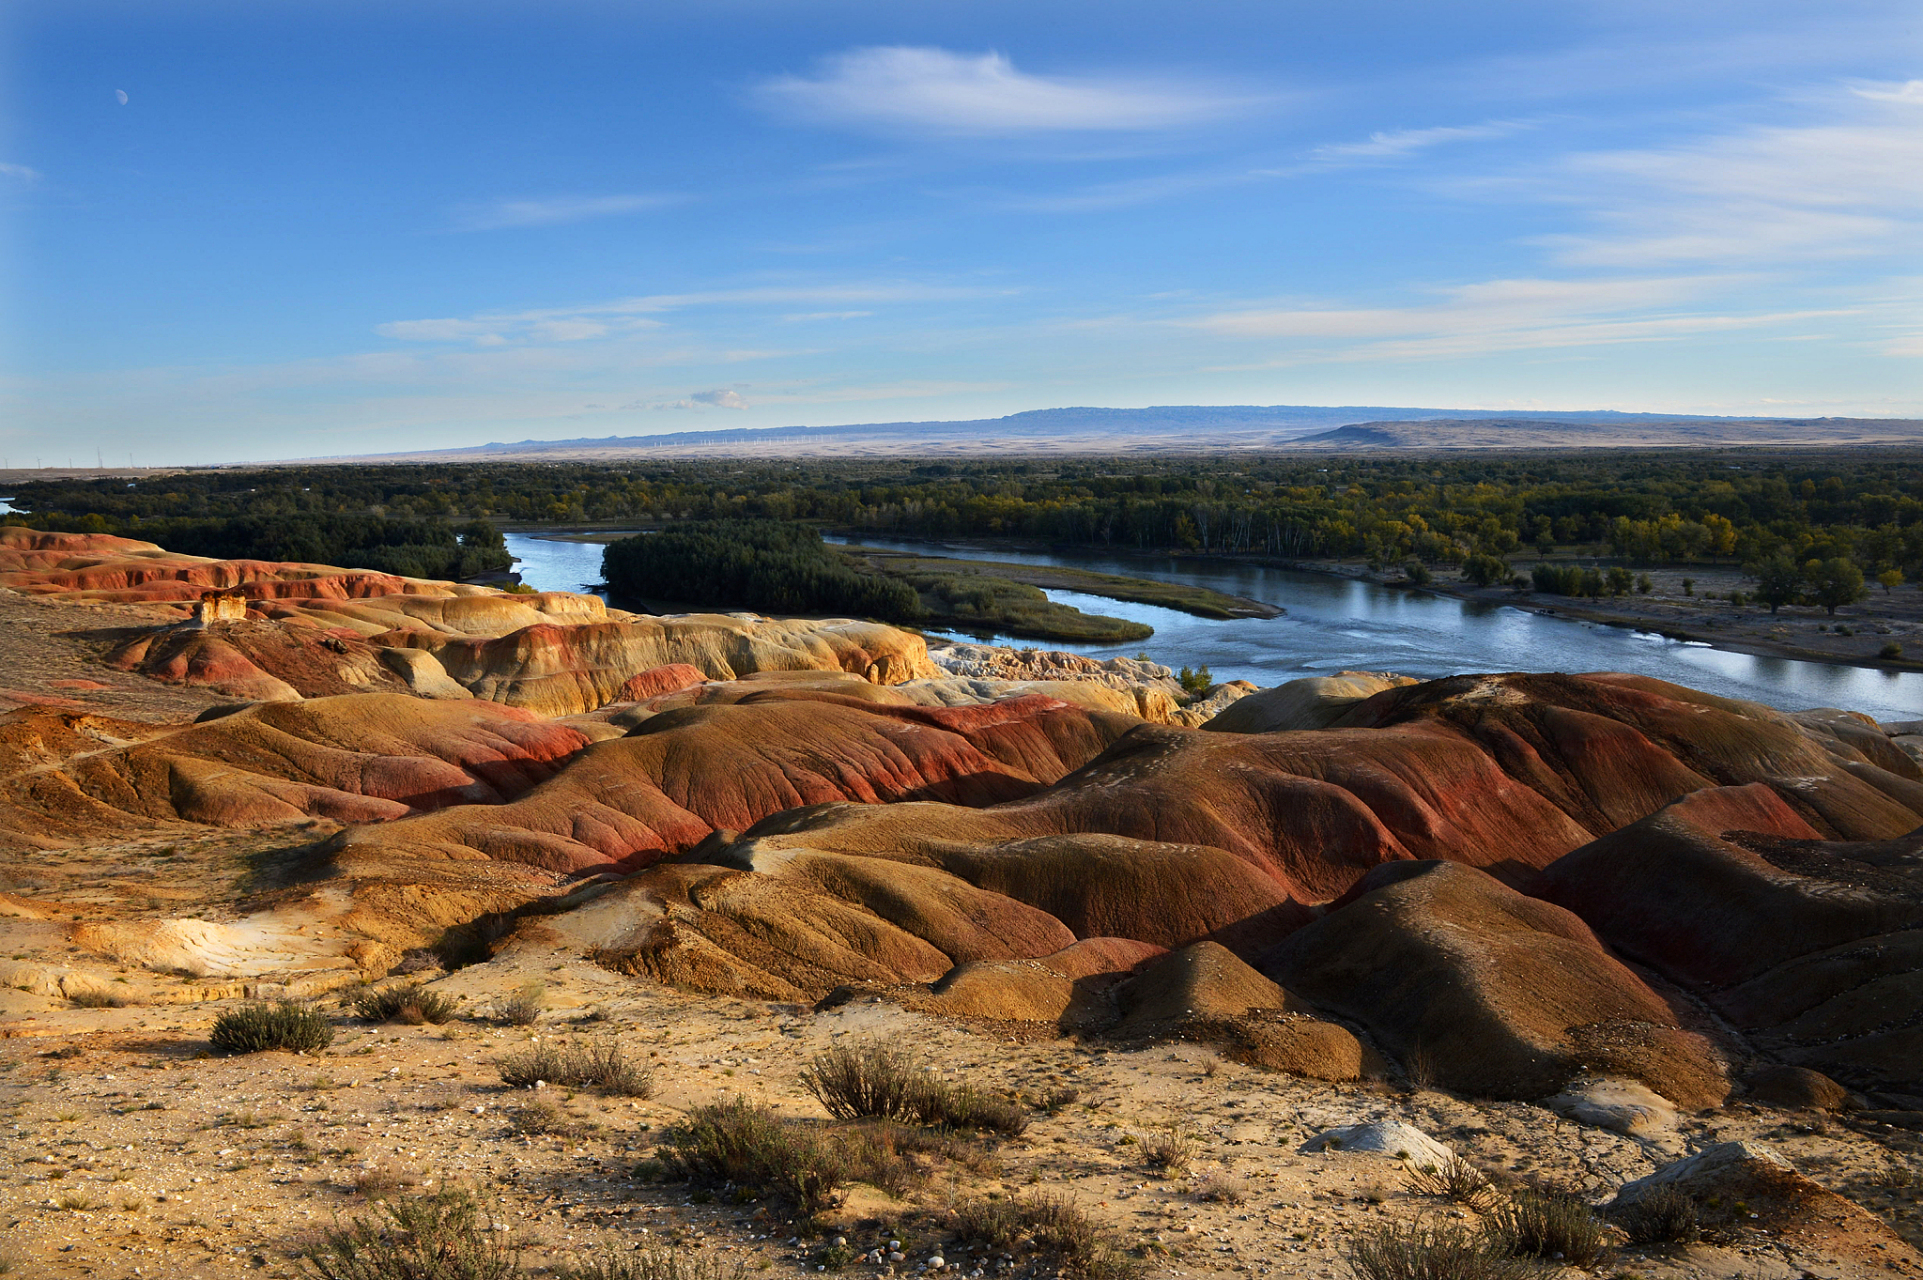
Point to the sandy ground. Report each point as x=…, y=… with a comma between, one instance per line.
x=51, y=654
x=129, y=1151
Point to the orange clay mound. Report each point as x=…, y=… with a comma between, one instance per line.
x=564, y=670
x=364, y=758
x=1812, y=947
x=1487, y=991
x=683, y=774
x=82, y=566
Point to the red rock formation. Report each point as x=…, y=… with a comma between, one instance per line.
x=1488, y=991
x=1813, y=947
x=365, y=758
x=683, y=774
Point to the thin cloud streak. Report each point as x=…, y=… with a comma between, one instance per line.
x=557, y=210
x=630, y=315
x=935, y=91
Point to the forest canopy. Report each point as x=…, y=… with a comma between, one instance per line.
x=1646, y=508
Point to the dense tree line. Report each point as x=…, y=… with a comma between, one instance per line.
x=1649, y=508
x=411, y=548
x=765, y=565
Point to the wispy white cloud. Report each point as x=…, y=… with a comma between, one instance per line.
x=553, y=210
x=19, y=173
x=1847, y=184
x=624, y=316
x=1398, y=143
x=924, y=90
x=1502, y=315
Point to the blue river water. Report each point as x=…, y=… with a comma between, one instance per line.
x=1334, y=624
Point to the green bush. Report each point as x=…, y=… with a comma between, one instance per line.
x=405, y=1004
x=280, y=1024
x=1547, y=1225
x=439, y=1237
x=1196, y=682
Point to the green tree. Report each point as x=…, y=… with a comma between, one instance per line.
x=1891, y=579
x=1485, y=570
x=1778, y=581
x=1834, y=582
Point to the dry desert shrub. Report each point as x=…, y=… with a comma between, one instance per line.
x=747, y=1145
x=1053, y=1225
x=1167, y=1151
x=603, y=1066
x=1549, y=1225
x=524, y=1007
x=1455, y=1179
x=385, y=1180
x=543, y=1118
x=280, y=1024
x=1220, y=1188
x=1664, y=1215
x=871, y=1081
x=1430, y=1251
x=409, y=1004
x=655, y=1264
x=444, y=1236
x=866, y=1081
x=94, y=998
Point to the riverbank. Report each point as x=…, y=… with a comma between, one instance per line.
x=1701, y=613
x=1686, y=603
x=1183, y=598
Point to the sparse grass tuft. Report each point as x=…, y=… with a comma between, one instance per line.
x=439, y=1237
x=385, y=1180
x=95, y=998
x=1052, y=1224
x=1430, y=1251
x=1455, y=1179
x=1664, y=1215
x=524, y=1007
x=871, y=1081
x=748, y=1145
x=603, y=1066
x=1220, y=1188
x=655, y=1264
x=1167, y=1151
x=75, y=1200
x=543, y=1118
x=410, y=1004
x=282, y=1024
x=1549, y=1225
x=1060, y=1099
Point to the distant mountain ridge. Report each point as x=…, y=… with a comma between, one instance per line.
x=1209, y=428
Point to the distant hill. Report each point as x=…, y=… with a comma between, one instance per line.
x=1203, y=428
x=1626, y=431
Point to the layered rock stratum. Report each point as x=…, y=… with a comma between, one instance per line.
x=1618, y=895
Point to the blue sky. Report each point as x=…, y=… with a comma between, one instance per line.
x=274, y=229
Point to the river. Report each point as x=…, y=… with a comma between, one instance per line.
x=1334, y=624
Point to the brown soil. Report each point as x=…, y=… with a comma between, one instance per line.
x=195, y=1167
